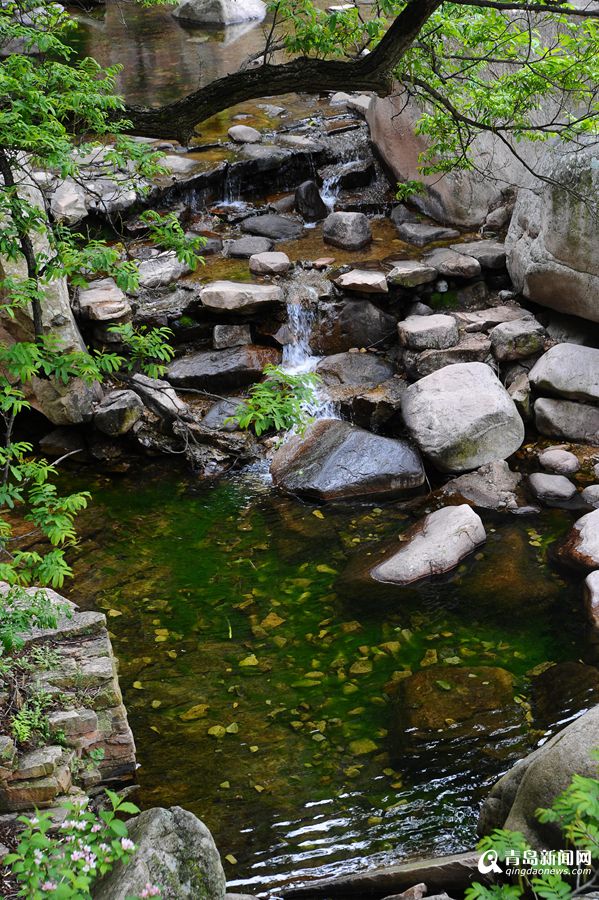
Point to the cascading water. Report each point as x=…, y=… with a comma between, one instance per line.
x=297, y=354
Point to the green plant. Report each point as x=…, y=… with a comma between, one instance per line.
x=66, y=865
x=148, y=348
x=548, y=875
x=20, y=611
x=31, y=721
x=280, y=402
x=43, y=657
x=408, y=189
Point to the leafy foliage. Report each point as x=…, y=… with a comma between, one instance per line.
x=21, y=611
x=576, y=812
x=279, y=403
x=68, y=864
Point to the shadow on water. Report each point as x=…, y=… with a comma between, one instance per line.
x=294, y=715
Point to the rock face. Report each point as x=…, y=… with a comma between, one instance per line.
x=230, y=368
x=493, y=486
x=175, y=851
x=220, y=12
x=552, y=241
x=568, y=371
x=433, y=546
x=238, y=297
x=335, y=461
x=536, y=780
x=581, y=547
x=518, y=339
x=462, y=417
x=348, y=230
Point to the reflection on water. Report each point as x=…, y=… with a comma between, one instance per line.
x=162, y=59
x=272, y=702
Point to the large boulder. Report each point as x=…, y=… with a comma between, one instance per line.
x=222, y=369
x=348, y=230
x=118, y=412
x=334, y=460
x=277, y=228
x=175, y=852
x=569, y=371
x=567, y=419
x=220, y=12
x=552, y=241
x=535, y=781
x=461, y=417
x=433, y=546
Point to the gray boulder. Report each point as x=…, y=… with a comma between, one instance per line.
x=244, y=134
x=552, y=240
x=436, y=332
x=350, y=323
x=535, y=781
x=490, y=254
x=559, y=461
x=220, y=12
x=347, y=230
x=518, y=339
x=568, y=371
x=433, y=546
x=222, y=369
x=492, y=486
x=484, y=319
x=452, y=264
x=176, y=852
x=368, y=369
x=239, y=297
x=411, y=273
x=551, y=489
x=470, y=348
x=118, y=412
x=277, y=228
x=269, y=263
x=565, y=419
x=591, y=598
x=309, y=203
x=334, y=460
x=590, y=495
x=224, y=336
x=68, y=202
x=247, y=246
x=103, y=301
x=462, y=417
x=159, y=396
x=363, y=281
x=161, y=269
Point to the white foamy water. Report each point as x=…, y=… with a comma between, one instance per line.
x=298, y=356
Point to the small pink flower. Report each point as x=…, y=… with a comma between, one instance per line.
x=96, y=828
x=150, y=890
x=34, y=820
x=49, y=886
x=127, y=844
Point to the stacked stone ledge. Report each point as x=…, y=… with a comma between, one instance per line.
x=90, y=717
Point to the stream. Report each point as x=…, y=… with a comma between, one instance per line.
x=260, y=688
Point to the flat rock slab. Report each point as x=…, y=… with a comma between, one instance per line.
x=462, y=417
x=222, y=369
x=334, y=460
x=451, y=264
x=239, y=297
x=568, y=371
x=490, y=254
x=366, y=369
x=567, y=419
x=364, y=281
x=420, y=235
x=411, y=273
x=103, y=301
x=434, y=546
x=436, y=332
x=277, y=228
x=470, y=348
x=581, y=547
x=484, y=319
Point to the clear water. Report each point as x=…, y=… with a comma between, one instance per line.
x=226, y=600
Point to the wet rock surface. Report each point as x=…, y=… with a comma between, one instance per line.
x=231, y=368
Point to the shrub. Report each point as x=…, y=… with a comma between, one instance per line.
x=279, y=403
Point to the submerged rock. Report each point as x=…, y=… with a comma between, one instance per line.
x=535, y=781
x=462, y=417
x=334, y=460
x=176, y=851
x=420, y=235
x=348, y=230
x=222, y=369
x=433, y=546
x=561, y=691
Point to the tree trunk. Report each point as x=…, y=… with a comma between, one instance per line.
x=371, y=73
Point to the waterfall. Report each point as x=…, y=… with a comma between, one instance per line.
x=298, y=356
